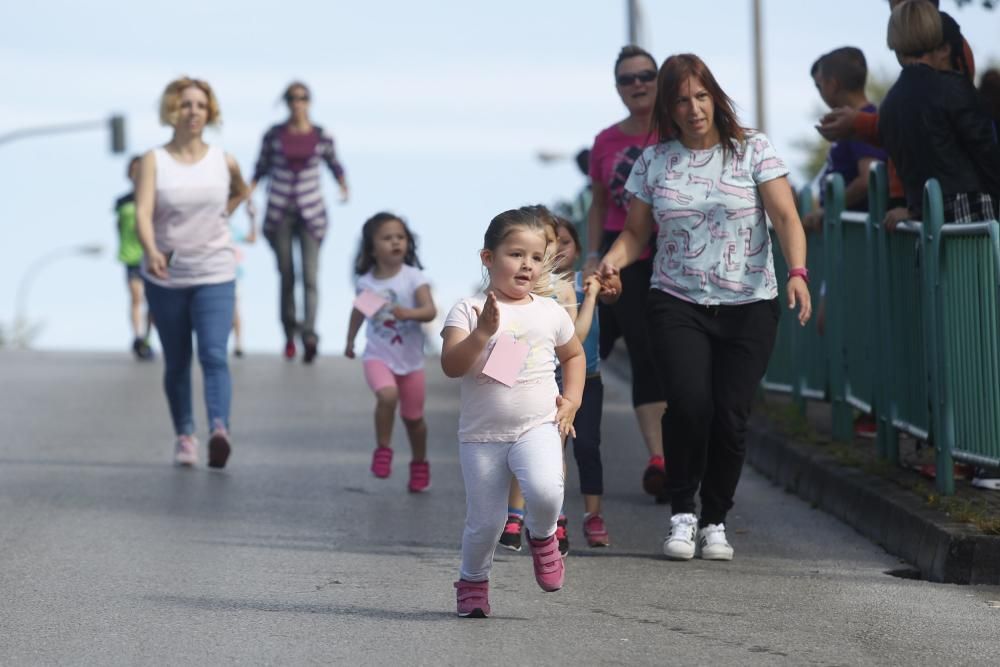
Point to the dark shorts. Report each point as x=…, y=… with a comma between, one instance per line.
x=132, y=273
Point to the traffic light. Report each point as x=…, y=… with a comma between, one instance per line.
x=117, y=124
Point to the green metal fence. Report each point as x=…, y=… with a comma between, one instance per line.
x=913, y=328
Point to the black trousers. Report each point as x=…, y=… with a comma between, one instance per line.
x=628, y=315
x=710, y=360
x=587, y=443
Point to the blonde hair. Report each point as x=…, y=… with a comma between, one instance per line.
x=170, y=101
x=530, y=218
x=914, y=29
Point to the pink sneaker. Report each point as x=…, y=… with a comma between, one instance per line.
x=420, y=476
x=382, y=462
x=186, y=451
x=595, y=531
x=218, y=447
x=473, y=598
x=550, y=571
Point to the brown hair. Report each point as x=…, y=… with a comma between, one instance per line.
x=170, y=101
x=531, y=218
x=676, y=70
x=290, y=88
x=364, y=259
x=846, y=66
x=914, y=29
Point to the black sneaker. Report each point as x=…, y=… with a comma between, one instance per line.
x=561, y=536
x=311, y=345
x=142, y=350
x=510, y=538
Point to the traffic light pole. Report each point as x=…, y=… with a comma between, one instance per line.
x=116, y=125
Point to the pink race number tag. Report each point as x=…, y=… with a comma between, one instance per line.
x=506, y=360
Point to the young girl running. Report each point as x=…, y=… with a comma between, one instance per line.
x=389, y=270
x=516, y=429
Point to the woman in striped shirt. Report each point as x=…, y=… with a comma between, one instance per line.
x=290, y=157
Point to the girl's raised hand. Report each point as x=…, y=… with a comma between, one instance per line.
x=591, y=287
x=565, y=415
x=489, y=316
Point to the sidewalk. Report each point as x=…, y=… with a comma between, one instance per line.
x=947, y=539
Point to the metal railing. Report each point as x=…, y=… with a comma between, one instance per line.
x=912, y=328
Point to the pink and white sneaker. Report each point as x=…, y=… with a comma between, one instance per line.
x=550, y=570
x=420, y=476
x=186, y=451
x=473, y=598
x=382, y=462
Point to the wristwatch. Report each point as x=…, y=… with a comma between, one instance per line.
x=801, y=272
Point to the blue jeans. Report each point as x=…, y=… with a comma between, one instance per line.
x=207, y=312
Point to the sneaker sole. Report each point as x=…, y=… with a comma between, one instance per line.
x=475, y=613
x=218, y=452
x=722, y=556
x=509, y=547
x=677, y=556
x=184, y=464
x=423, y=490
x=597, y=544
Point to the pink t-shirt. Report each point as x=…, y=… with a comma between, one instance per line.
x=611, y=161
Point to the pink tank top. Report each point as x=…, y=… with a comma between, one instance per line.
x=190, y=224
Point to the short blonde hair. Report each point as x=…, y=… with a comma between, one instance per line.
x=170, y=102
x=914, y=28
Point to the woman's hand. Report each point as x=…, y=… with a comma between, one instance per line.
x=349, y=350
x=894, y=216
x=838, y=124
x=798, y=294
x=345, y=193
x=156, y=264
x=611, y=282
x=489, y=317
x=565, y=415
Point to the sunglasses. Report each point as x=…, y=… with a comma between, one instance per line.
x=646, y=76
x=297, y=98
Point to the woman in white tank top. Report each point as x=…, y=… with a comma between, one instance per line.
x=187, y=189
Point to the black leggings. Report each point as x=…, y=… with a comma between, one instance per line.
x=711, y=360
x=587, y=443
x=629, y=317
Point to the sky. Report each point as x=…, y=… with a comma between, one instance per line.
x=438, y=110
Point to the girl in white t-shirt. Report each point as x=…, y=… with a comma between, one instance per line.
x=516, y=429
x=387, y=268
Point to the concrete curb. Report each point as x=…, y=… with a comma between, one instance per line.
x=944, y=551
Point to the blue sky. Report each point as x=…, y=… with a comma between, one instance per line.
x=438, y=109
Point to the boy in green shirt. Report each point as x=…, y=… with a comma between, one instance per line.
x=130, y=254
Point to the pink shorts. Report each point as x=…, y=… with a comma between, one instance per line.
x=411, y=387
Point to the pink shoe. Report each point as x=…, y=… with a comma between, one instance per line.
x=550, y=571
x=218, y=447
x=595, y=531
x=382, y=462
x=186, y=451
x=473, y=598
x=420, y=476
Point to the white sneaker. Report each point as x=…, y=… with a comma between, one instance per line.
x=712, y=543
x=186, y=451
x=679, y=544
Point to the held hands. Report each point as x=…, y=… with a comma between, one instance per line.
x=611, y=282
x=565, y=414
x=591, y=287
x=798, y=294
x=489, y=316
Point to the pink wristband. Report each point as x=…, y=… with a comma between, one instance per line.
x=801, y=272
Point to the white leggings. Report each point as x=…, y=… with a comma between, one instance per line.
x=536, y=460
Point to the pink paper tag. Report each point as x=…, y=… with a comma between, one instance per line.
x=369, y=303
x=506, y=360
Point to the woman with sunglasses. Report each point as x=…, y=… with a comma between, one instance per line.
x=290, y=157
x=614, y=152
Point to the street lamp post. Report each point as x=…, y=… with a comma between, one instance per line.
x=115, y=125
x=22, y=334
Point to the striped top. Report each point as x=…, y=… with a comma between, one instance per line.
x=295, y=188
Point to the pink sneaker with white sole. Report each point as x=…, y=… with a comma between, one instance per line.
x=420, y=476
x=382, y=462
x=185, y=451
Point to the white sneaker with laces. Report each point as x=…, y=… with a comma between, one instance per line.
x=712, y=543
x=679, y=543
x=185, y=451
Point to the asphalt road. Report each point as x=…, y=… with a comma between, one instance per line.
x=297, y=555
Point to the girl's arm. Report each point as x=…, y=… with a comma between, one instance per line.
x=238, y=190
x=462, y=348
x=585, y=318
x=780, y=206
x=567, y=298
x=145, y=199
x=425, y=311
x=574, y=369
x=357, y=319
